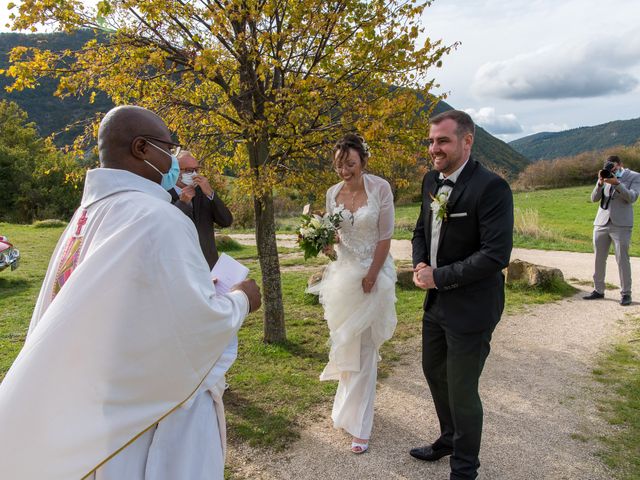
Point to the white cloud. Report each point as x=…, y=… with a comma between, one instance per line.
x=593, y=69
x=549, y=127
x=497, y=124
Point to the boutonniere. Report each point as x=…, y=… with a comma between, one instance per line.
x=439, y=205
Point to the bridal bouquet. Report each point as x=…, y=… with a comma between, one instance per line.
x=317, y=231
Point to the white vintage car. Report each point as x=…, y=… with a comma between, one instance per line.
x=9, y=255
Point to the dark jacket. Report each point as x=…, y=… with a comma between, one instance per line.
x=475, y=245
x=205, y=213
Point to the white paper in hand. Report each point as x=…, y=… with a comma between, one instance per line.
x=229, y=272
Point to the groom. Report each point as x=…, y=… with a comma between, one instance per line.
x=461, y=243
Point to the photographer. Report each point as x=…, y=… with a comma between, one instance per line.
x=617, y=189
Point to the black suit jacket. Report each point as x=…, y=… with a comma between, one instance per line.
x=473, y=248
x=205, y=213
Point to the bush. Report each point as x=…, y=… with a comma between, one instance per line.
x=573, y=171
x=225, y=243
x=411, y=191
x=527, y=224
x=241, y=207
x=286, y=203
x=36, y=180
x=49, y=223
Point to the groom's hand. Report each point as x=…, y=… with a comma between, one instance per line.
x=416, y=281
x=423, y=276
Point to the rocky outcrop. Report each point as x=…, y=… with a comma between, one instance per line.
x=534, y=275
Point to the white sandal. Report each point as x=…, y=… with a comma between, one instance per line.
x=363, y=447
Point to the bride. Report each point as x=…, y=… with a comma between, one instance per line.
x=358, y=289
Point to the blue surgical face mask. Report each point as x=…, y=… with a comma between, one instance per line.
x=170, y=178
x=619, y=172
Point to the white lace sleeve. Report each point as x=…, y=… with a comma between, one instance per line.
x=329, y=196
x=387, y=213
x=381, y=189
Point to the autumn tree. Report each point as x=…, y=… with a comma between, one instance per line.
x=36, y=180
x=261, y=87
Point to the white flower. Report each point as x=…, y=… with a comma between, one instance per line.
x=439, y=205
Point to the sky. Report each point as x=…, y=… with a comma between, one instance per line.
x=527, y=66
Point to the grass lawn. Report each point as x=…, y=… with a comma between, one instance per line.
x=619, y=371
x=19, y=288
x=568, y=214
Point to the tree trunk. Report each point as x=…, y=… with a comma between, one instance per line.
x=274, y=328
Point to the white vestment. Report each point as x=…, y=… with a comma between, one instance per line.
x=130, y=337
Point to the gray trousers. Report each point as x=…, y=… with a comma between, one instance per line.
x=602, y=238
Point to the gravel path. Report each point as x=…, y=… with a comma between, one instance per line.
x=541, y=419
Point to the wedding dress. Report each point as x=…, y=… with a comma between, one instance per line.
x=358, y=322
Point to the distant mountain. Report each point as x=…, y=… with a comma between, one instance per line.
x=53, y=115
x=550, y=145
x=492, y=151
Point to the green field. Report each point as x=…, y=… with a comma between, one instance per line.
x=568, y=214
x=19, y=288
x=564, y=220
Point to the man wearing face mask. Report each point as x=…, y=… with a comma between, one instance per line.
x=117, y=377
x=197, y=200
x=617, y=189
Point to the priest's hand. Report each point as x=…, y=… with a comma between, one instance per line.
x=187, y=193
x=252, y=291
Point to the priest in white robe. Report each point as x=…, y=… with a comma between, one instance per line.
x=119, y=374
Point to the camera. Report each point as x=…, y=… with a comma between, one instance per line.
x=606, y=172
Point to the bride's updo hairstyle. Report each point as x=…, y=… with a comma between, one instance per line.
x=350, y=140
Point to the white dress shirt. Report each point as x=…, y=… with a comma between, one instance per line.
x=436, y=223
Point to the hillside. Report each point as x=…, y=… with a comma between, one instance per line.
x=547, y=145
x=52, y=115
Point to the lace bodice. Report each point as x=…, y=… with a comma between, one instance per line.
x=361, y=230
x=358, y=240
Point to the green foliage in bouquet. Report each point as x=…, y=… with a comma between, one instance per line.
x=317, y=232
